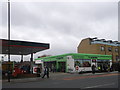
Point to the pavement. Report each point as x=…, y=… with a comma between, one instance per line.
x=53, y=76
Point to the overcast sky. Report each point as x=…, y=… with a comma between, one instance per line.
x=61, y=24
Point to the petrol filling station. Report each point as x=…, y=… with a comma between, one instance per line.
x=22, y=47
x=69, y=62
x=58, y=62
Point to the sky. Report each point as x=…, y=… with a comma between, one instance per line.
x=61, y=24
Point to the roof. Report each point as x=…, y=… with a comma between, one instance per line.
x=21, y=47
x=105, y=42
x=76, y=56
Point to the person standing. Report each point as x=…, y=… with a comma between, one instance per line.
x=105, y=67
x=111, y=68
x=29, y=69
x=99, y=68
x=38, y=71
x=119, y=66
x=53, y=68
x=93, y=69
x=46, y=72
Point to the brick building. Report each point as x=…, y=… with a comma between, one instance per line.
x=100, y=46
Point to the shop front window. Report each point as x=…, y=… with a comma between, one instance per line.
x=78, y=63
x=86, y=63
x=83, y=63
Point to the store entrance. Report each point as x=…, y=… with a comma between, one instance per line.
x=104, y=66
x=50, y=65
x=61, y=66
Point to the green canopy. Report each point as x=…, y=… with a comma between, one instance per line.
x=76, y=56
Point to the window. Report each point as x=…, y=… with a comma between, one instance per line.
x=93, y=60
x=83, y=63
x=116, y=49
x=109, y=49
x=117, y=57
x=78, y=63
x=102, y=48
x=86, y=63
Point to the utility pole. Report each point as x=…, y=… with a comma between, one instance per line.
x=8, y=40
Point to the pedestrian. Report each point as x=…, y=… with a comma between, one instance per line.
x=53, y=69
x=119, y=66
x=105, y=68
x=108, y=68
x=38, y=72
x=28, y=68
x=46, y=72
x=99, y=68
x=93, y=69
x=111, y=68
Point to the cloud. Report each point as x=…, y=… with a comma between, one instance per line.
x=62, y=24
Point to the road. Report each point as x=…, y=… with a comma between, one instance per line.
x=65, y=80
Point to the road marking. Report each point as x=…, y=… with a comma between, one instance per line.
x=94, y=76
x=99, y=85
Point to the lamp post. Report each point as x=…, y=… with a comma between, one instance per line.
x=8, y=40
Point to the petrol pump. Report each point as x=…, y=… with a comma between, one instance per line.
x=39, y=65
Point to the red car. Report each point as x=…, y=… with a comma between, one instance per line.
x=17, y=72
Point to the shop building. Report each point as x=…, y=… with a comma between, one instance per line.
x=76, y=62
x=100, y=46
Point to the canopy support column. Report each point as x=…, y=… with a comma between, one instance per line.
x=31, y=63
x=31, y=59
x=21, y=58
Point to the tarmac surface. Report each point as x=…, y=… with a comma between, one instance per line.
x=59, y=76
x=67, y=80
